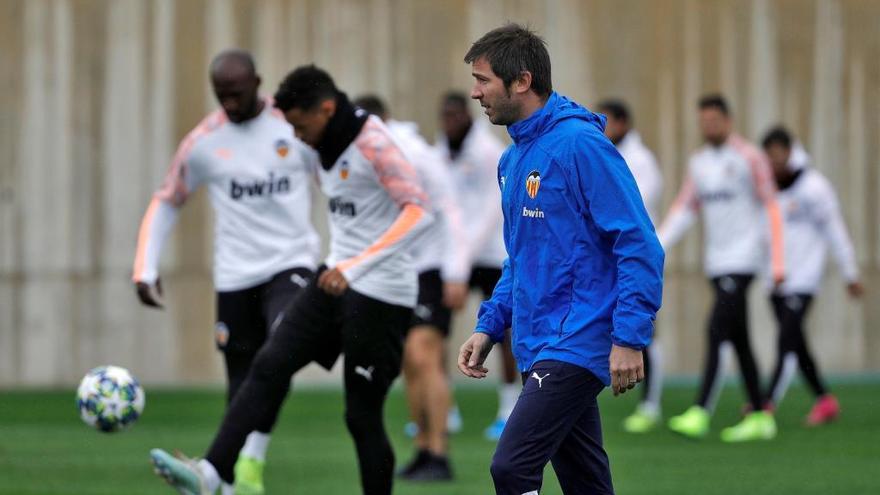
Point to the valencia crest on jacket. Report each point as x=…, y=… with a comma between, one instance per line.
x=533, y=183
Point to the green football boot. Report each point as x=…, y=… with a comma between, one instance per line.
x=642, y=420
x=693, y=423
x=755, y=426
x=182, y=474
x=249, y=476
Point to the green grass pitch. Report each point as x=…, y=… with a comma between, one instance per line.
x=45, y=449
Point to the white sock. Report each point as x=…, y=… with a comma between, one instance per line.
x=256, y=445
x=209, y=473
x=227, y=489
x=508, y=393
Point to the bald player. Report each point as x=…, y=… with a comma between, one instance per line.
x=265, y=248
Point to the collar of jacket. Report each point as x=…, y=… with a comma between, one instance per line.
x=342, y=129
x=536, y=124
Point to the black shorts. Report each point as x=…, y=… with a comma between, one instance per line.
x=430, y=310
x=485, y=279
x=244, y=317
x=317, y=327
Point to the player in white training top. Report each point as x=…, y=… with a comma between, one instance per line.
x=643, y=165
x=812, y=224
x=472, y=153
x=730, y=184
x=265, y=248
x=362, y=300
x=443, y=269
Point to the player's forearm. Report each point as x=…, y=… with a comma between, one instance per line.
x=411, y=223
x=496, y=313
x=155, y=227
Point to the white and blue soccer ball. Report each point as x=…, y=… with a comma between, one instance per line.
x=110, y=398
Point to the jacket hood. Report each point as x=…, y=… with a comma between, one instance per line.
x=557, y=109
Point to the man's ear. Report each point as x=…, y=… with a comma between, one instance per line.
x=257, y=81
x=523, y=82
x=328, y=107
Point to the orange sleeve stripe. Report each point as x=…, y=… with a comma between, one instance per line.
x=406, y=221
x=143, y=238
x=777, y=254
x=174, y=188
x=766, y=191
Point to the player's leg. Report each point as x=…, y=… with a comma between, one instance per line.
x=786, y=357
x=485, y=279
x=239, y=333
x=826, y=408
x=647, y=413
x=422, y=362
x=555, y=396
x=581, y=463
x=694, y=422
x=308, y=331
x=424, y=351
x=758, y=424
x=372, y=341
x=275, y=296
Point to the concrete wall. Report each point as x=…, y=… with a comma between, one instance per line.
x=96, y=94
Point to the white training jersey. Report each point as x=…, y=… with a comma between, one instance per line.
x=475, y=177
x=378, y=208
x=643, y=166
x=258, y=176
x=813, y=223
x=732, y=187
x=442, y=246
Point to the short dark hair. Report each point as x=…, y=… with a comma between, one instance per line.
x=456, y=97
x=511, y=50
x=777, y=135
x=616, y=109
x=304, y=88
x=372, y=104
x=715, y=101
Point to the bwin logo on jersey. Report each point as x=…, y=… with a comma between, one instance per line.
x=342, y=207
x=259, y=188
x=533, y=183
x=282, y=147
x=344, y=169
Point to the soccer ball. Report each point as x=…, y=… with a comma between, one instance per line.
x=110, y=398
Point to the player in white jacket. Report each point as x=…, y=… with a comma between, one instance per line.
x=812, y=224
x=443, y=269
x=728, y=182
x=472, y=154
x=643, y=165
x=265, y=247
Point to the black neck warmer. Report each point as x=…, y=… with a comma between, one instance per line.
x=341, y=130
x=787, y=182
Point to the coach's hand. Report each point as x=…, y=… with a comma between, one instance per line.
x=627, y=368
x=332, y=282
x=454, y=294
x=150, y=294
x=473, y=354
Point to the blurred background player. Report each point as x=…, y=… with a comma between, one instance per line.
x=442, y=270
x=472, y=153
x=730, y=182
x=361, y=303
x=812, y=224
x=265, y=246
x=643, y=165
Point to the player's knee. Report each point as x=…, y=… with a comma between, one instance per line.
x=361, y=422
x=503, y=467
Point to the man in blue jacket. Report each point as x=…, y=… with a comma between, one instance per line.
x=583, y=279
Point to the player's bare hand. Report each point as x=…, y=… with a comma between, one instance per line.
x=855, y=289
x=627, y=368
x=454, y=294
x=333, y=282
x=473, y=354
x=150, y=294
